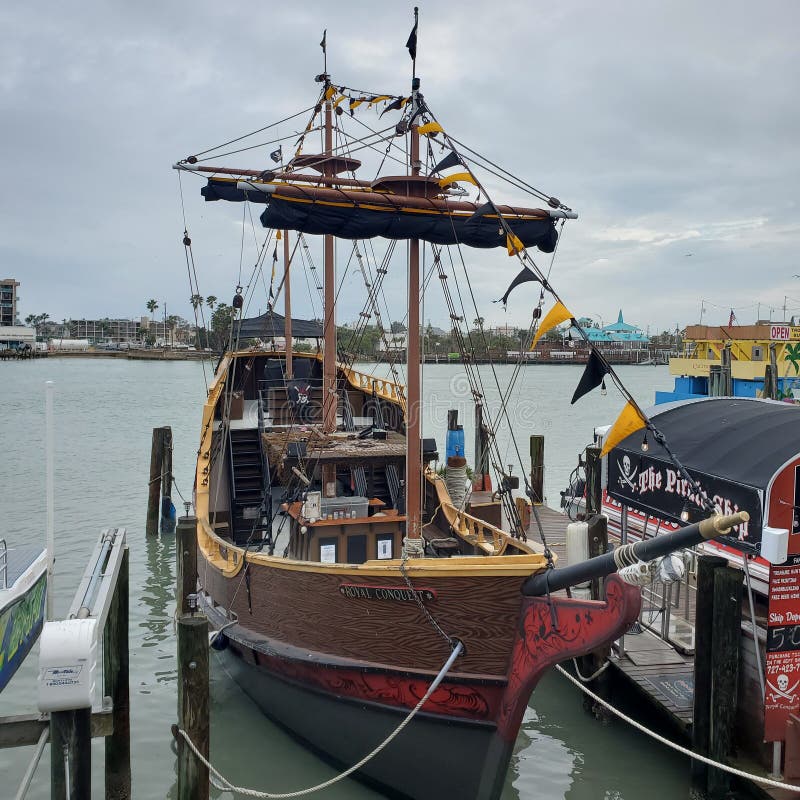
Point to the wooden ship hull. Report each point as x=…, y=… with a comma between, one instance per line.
x=339, y=653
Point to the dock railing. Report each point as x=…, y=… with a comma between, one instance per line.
x=3, y=564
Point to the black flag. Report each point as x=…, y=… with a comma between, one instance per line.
x=411, y=44
x=592, y=377
x=526, y=274
x=276, y=155
x=322, y=43
x=394, y=106
x=450, y=160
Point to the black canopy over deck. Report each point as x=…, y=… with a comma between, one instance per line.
x=733, y=447
x=270, y=325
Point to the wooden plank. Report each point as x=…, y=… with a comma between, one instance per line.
x=24, y=730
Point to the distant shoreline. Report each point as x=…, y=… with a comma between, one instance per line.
x=137, y=355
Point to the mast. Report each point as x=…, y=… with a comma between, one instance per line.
x=329, y=397
x=287, y=306
x=413, y=399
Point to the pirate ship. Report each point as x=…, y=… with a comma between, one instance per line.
x=349, y=580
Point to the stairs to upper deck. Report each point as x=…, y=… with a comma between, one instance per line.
x=248, y=481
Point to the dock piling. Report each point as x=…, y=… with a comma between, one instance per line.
x=594, y=484
x=725, y=644
x=186, y=553
x=597, y=535
x=537, y=468
x=116, y=686
x=71, y=754
x=193, y=705
x=160, y=437
x=716, y=662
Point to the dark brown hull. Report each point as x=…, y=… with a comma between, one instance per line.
x=341, y=672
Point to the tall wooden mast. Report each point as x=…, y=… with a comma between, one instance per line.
x=287, y=305
x=329, y=396
x=413, y=399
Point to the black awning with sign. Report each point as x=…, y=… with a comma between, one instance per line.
x=732, y=447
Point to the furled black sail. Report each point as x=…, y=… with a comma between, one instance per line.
x=365, y=220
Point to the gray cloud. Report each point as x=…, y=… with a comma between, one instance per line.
x=671, y=127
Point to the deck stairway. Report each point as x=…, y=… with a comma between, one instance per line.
x=248, y=479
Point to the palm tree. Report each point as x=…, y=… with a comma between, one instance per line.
x=196, y=301
x=211, y=301
x=151, y=306
x=172, y=323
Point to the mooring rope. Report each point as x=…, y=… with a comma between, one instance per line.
x=223, y=784
x=690, y=753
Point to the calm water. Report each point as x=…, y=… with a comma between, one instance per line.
x=105, y=411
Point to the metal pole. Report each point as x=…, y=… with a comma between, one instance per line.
x=756, y=647
x=50, y=458
x=29, y=772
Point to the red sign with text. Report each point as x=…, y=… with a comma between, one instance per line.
x=783, y=649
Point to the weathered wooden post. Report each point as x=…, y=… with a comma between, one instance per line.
x=592, y=662
x=537, y=468
x=71, y=754
x=116, y=686
x=193, y=706
x=594, y=482
x=703, y=664
x=482, y=481
x=167, y=508
x=726, y=636
x=154, y=493
x=186, y=554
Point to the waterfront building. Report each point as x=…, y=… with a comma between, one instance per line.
x=8, y=301
x=619, y=335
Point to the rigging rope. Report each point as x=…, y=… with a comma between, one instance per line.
x=679, y=748
x=219, y=781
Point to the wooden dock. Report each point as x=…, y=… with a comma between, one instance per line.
x=652, y=666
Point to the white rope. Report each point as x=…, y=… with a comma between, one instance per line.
x=691, y=754
x=224, y=784
x=599, y=671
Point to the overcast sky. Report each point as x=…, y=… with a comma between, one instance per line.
x=672, y=128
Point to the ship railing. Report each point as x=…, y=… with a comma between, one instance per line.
x=661, y=600
x=3, y=564
x=382, y=387
x=479, y=533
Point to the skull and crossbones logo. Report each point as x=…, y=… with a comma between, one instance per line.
x=627, y=475
x=782, y=690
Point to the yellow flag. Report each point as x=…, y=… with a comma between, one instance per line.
x=278, y=236
x=463, y=176
x=430, y=127
x=514, y=245
x=555, y=316
x=330, y=92
x=629, y=421
x=339, y=100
